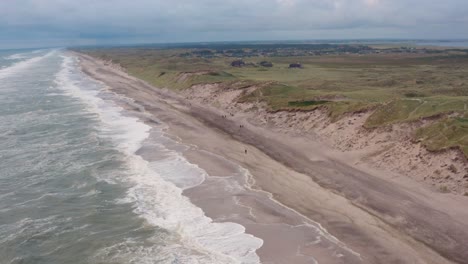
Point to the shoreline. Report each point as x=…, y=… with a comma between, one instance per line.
x=302, y=240
x=362, y=210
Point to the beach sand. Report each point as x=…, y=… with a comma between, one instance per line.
x=305, y=200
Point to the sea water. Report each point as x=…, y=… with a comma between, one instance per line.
x=73, y=189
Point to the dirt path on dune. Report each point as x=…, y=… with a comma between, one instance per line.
x=384, y=220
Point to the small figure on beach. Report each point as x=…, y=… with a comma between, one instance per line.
x=245, y=151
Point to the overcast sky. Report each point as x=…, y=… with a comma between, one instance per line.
x=73, y=22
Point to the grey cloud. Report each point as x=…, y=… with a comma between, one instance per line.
x=165, y=20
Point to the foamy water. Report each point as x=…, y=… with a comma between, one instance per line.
x=21, y=65
x=158, y=185
x=73, y=189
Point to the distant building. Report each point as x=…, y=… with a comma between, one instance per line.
x=238, y=63
x=266, y=64
x=295, y=65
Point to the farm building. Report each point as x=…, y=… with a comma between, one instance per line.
x=295, y=65
x=238, y=63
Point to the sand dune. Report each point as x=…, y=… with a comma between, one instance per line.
x=366, y=216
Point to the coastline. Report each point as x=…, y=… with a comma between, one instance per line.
x=371, y=215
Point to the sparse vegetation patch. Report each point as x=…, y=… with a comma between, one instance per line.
x=398, y=84
x=306, y=103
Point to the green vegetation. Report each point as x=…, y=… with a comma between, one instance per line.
x=405, y=110
x=445, y=134
x=307, y=103
x=403, y=86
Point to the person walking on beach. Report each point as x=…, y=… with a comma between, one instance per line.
x=245, y=151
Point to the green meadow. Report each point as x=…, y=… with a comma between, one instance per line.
x=398, y=87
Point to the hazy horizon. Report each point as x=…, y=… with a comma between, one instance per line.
x=462, y=43
x=41, y=23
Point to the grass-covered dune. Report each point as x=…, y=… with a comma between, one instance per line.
x=401, y=85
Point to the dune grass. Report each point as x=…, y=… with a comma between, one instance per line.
x=445, y=134
x=401, y=88
x=438, y=83
x=405, y=110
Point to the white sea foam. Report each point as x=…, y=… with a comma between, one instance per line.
x=22, y=65
x=25, y=55
x=157, y=189
x=179, y=171
x=38, y=51
x=18, y=56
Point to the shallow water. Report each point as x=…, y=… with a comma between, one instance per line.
x=72, y=189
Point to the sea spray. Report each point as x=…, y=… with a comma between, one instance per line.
x=22, y=64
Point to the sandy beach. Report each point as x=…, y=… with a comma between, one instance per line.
x=306, y=201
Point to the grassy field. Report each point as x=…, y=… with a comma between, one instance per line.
x=400, y=87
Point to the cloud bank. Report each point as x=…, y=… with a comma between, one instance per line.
x=67, y=22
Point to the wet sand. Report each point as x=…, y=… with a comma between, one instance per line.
x=298, y=187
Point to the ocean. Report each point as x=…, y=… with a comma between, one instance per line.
x=73, y=189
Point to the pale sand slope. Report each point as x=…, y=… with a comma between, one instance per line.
x=391, y=148
x=386, y=221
